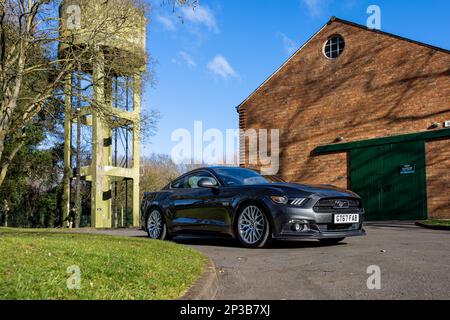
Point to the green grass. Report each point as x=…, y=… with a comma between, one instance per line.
x=33, y=265
x=445, y=223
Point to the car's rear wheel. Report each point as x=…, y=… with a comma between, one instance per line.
x=156, y=226
x=331, y=241
x=253, y=227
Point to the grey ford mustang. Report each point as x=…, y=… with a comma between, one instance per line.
x=242, y=204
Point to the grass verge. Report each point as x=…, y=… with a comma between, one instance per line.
x=441, y=223
x=34, y=265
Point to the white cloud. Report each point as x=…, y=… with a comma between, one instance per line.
x=200, y=15
x=290, y=46
x=221, y=67
x=166, y=22
x=187, y=58
x=315, y=7
x=184, y=58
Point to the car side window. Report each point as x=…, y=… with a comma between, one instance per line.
x=178, y=184
x=191, y=181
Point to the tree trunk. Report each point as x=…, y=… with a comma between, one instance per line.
x=6, y=210
x=77, y=210
x=9, y=105
x=122, y=223
x=4, y=170
x=4, y=165
x=2, y=148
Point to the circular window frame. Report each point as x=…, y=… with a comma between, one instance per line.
x=326, y=42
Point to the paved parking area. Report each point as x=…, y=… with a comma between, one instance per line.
x=414, y=263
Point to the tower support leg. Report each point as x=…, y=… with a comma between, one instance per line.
x=67, y=148
x=136, y=149
x=101, y=186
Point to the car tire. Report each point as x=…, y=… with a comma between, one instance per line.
x=252, y=227
x=156, y=225
x=331, y=241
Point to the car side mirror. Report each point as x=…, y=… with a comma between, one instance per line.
x=207, y=183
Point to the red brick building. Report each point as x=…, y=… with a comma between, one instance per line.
x=363, y=110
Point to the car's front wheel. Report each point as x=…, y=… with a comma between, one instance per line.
x=156, y=226
x=253, y=227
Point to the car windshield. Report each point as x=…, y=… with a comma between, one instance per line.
x=240, y=176
x=274, y=179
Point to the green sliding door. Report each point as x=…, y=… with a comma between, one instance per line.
x=391, y=180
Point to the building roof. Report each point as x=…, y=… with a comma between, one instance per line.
x=388, y=34
x=333, y=19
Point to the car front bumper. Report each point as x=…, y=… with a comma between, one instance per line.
x=317, y=235
x=313, y=225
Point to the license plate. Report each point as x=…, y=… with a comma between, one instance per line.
x=346, y=218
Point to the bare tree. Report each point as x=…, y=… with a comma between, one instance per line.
x=156, y=172
x=37, y=53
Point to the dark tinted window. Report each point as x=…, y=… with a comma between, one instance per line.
x=191, y=181
x=239, y=176
x=178, y=184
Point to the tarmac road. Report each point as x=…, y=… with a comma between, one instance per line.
x=414, y=264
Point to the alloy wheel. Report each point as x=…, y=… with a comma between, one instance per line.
x=251, y=225
x=155, y=224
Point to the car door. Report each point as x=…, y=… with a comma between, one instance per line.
x=199, y=209
x=216, y=210
x=182, y=206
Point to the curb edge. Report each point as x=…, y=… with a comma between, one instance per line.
x=427, y=226
x=206, y=287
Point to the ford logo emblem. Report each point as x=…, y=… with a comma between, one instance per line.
x=341, y=204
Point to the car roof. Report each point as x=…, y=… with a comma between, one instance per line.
x=213, y=169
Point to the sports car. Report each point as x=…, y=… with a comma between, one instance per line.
x=242, y=204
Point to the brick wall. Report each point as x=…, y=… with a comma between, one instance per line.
x=380, y=86
x=438, y=179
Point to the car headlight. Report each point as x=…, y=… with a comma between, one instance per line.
x=280, y=199
x=298, y=202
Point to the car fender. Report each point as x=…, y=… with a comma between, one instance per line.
x=260, y=201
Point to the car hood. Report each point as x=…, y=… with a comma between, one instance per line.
x=292, y=189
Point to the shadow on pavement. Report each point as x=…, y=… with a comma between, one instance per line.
x=206, y=241
x=391, y=224
x=231, y=243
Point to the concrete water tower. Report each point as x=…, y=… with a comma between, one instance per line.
x=106, y=40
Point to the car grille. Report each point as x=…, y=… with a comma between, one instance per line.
x=334, y=227
x=338, y=227
x=338, y=206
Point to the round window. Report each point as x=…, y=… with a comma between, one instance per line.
x=334, y=47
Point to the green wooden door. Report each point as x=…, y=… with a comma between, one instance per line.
x=391, y=180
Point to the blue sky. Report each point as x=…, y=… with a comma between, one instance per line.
x=212, y=59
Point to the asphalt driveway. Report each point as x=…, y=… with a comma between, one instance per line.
x=414, y=264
